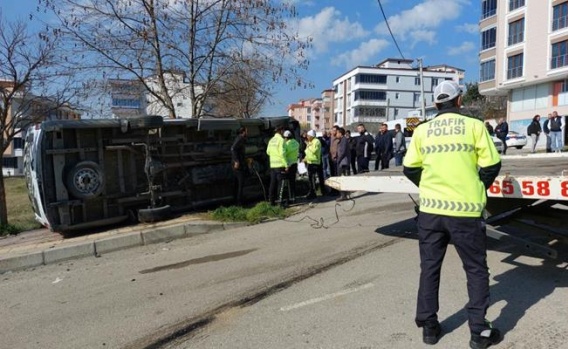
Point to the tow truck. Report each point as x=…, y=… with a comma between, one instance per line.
x=527, y=204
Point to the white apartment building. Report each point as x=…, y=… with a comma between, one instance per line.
x=131, y=98
x=524, y=56
x=30, y=109
x=387, y=91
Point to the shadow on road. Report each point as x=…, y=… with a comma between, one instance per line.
x=520, y=287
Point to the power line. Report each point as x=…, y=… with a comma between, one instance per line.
x=390, y=31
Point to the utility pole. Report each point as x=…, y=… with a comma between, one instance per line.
x=422, y=98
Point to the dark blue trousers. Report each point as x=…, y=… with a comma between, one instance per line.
x=468, y=236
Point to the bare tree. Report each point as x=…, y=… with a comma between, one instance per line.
x=484, y=107
x=241, y=92
x=30, y=86
x=147, y=39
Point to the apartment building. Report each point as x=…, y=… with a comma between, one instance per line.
x=314, y=113
x=524, y=56
x=387, y=91
x=28, y=109
x=131, y=98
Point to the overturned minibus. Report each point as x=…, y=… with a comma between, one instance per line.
x=91, y=173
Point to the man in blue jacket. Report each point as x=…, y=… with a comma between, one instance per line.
x=383, y=147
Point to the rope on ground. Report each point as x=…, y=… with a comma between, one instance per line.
x=320, y=222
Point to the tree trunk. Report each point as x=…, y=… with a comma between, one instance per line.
x=3, y=204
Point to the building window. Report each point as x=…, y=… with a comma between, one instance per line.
x=417, y=98
x=559, y=55
x=396, y=95
x=10, y=162
x=488, y=8
x=515, y=4
x=417, y=81
x=370, y=95
x=434, y=82
x=126, y=103
x=18, y=143
x=370, y=111
x=371, y=79
x=397, y=79
x=395, y=111
x=560, y=16
x=487, y=70
x=515, y=66
x=516, y=31
x=488, y=38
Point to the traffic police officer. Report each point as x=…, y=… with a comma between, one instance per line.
x=315, y=168
x=453, y=161
x=278, y=164
x=291, y=150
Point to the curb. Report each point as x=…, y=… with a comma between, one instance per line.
x=110, y=244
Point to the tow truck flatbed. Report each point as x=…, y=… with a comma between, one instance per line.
x=531, y=189
x=538, y=176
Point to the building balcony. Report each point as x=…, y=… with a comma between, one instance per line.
x=366, y=102
x=559, y=61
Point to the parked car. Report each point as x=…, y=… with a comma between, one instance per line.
x=498, y=144
x=515, y=139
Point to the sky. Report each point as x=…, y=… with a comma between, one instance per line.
x=349, y=33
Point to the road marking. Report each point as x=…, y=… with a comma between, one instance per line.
x=326, y=297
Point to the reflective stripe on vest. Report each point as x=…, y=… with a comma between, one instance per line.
x=451, y=205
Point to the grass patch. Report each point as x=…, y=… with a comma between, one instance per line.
x=253, y=215
x=20, y=212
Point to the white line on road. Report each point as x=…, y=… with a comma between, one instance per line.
x=326, y=297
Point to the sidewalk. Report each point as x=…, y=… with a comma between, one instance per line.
x=40, y=247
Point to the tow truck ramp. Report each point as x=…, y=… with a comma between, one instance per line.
x=527, y=204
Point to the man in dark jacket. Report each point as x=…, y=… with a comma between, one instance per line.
x=501, y=131
x=546, y=131
x=343, y=160
x=534, y=130
x=353, y=149
x=364, y=149
x=555, y=126
x=238, y=163
x=383, y=147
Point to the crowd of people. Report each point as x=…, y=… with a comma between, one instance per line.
x=448, y=211
x=335, y=153
x=552, y=128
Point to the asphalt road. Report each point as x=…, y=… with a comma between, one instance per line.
x=331, y=277
x=134, y=298
x=369, y=302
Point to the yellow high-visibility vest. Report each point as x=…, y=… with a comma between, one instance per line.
x=450, y=149
x=291, y=150
x=313, y=152
x=275, y=151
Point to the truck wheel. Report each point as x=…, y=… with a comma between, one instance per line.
x=149, y=121
x=519, y=147
x=85, y=180
x=150, y=215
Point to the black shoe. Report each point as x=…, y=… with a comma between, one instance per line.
x=431, y=333
x=311, y=196
x=485, y=339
